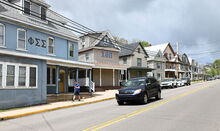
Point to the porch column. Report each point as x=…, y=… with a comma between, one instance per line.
x=100, y=78
x=113, y=77
x=77, y=75
x=57, y=79
x=126, y=75
x=66, y=90
x=129, y=74
x=90, y=81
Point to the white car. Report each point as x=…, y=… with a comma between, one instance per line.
x=180, y=82
x=170, y=82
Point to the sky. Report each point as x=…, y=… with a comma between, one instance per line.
x=194, y=24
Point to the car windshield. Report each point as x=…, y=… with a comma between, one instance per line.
x=184, y=78
x=135, y=82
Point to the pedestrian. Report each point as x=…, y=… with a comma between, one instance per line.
x=76, y=90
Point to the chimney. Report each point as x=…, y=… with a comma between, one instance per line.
x=177, y=48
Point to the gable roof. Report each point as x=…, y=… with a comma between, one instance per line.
x=156, y=48
x=128, y=49
x=99, y=40
x=13, y=15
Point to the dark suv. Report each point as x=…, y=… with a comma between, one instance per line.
x=139, y=90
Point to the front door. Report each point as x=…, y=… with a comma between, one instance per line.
x=62, y=81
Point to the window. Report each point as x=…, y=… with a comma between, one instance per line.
x=32, y=78
x=10, y=75
x=110, y=54
x=139, y=50
x=43, y=13
x=159, y=65
x=2, y=35
x=0, y=75
x=125, y=60
x=107, y=54
x=35, y=10
x=27, y=6
x=87, y=56
x=139, y=62
x=158, y=76
x=51, y=45
x=170, y=56
x=71, y=50
x=51, y=75
x=21, y=39
x=22, y=76
x=139, y=73
x=17, y=75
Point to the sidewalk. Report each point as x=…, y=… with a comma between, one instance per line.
x=98, y=96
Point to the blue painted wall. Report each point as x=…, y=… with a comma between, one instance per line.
x=61, y=45
x=10, y=98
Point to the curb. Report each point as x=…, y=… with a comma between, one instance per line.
x=52, y=109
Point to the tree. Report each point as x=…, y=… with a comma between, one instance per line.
x=144, y=44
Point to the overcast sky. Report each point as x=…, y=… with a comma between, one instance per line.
x=195, y=24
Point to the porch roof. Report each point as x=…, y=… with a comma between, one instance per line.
x=50, y=60
x=140, y=68
x=110, y=66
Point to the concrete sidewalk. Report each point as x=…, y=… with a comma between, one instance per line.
x=98, y=96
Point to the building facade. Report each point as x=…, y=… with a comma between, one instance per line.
x=37, y=56
x=100, y=49
x=156, y=61
x=134, y=57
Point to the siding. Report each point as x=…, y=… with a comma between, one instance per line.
x=10, y=98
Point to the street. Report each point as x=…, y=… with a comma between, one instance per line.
x=188, y=108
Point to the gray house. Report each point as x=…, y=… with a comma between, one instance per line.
x=157, y=62
x=135, y=58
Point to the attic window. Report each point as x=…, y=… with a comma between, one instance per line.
x=43, y=13
x=35, y=10
x=139, y=50
x=27, y=6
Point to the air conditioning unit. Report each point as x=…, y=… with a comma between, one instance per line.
x=83, y=43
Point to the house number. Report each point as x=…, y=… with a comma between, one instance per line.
x=37, y=42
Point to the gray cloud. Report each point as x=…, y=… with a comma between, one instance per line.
x=193, y=23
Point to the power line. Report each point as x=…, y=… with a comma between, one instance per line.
x=124, y=46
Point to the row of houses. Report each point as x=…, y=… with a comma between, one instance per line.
x=40, y=57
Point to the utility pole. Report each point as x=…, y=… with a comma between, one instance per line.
x=177, y=54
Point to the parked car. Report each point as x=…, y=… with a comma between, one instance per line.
x=180, y=82
x=186, y=81
x=139, y=90
x=209, y=79
x=170, y=82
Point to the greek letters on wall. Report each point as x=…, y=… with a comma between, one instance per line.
x=37, y=42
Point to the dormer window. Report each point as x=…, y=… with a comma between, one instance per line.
x=35, y=10
x=27, y=7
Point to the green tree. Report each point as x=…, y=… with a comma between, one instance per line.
x=144, y=43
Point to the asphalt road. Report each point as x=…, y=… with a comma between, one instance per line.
x=189, y=108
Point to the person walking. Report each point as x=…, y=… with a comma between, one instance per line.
x=76, y=90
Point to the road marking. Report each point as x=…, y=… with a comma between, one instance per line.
x=134, y=113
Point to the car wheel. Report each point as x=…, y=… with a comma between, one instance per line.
x=158, y=97
x=120, y=102
x=145, y=100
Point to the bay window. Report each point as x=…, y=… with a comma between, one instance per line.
x=22, y=76
x=32, y=77
x=10, y=75
x=14, y=75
